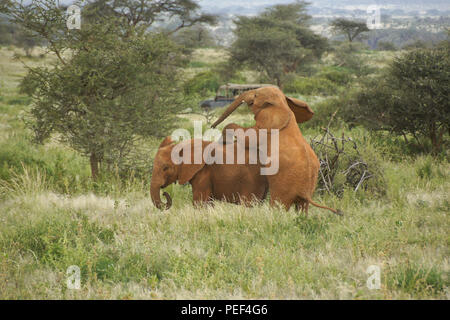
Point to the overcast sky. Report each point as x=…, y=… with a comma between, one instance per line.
x=400, y=4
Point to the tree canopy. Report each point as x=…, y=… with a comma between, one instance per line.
x=276, y=42
x=114, y=81
x=412, y=97
x=351, y=29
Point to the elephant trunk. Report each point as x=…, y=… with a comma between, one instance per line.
x=236, y=103
x=155, y=190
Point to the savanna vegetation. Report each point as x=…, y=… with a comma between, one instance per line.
x=56, y=211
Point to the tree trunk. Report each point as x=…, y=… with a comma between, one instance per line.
x=435, y=143
x=94, y=166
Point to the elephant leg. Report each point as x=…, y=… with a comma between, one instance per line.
x=303, y=205
x=201, y=197
x=286, y=196
x=285, y=199
x=300, y=206
x=306, y=207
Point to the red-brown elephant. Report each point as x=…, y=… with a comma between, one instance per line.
x=235, y=183
x=296, y=179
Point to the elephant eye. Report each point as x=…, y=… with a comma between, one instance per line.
x=165, y=168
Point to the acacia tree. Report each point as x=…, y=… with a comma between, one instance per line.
x=195, y=37
x=351, y=29
x=145, y=13
x=276, y=42
x=113, y=81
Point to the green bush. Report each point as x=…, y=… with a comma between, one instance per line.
x=64, y=170
x=338, y=75
x=415, y=279
x=203, y=83
x=311, y=86
x=386, y=46
x=349, y=163
x=348, y=55
x=411, y=97
x=340, y=106
x=68, y=238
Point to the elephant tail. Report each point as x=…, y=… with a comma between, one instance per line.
x=336, y=211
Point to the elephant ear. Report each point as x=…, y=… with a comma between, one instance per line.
x=189, y=170
x=300, y=109
x=167, y=141
x=272, y=116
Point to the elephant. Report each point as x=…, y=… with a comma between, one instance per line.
x=234, y=183
x=296, y=179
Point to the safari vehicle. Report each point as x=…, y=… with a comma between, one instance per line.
x=227, y=93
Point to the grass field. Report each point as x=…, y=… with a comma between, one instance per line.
x=52, y=216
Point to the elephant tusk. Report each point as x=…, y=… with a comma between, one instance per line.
x=168, y=201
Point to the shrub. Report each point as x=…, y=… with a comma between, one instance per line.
x=20, y=161
x=346, y=55
x=340, y=106
x=410, y=98
x=386, y=46
x=311, y=86
x=347, y=163
x=203, y=83
x=415, y=279
x=340, y=76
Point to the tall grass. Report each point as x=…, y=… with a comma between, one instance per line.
x=53, y=215
x=27, y=183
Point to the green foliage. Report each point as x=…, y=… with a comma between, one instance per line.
x=67, y=239
x=349, y=163
x=23, y=163
x=207, y=83
x=386, y=46
x=339, y=75
x=417, y=44
x=11, y=34
x=276, y=42
x=311, y=86
x=53, y=216
x=412, y=97
x=143, y=14
x=118, y=83
x=229, y=72
x=202, y=83
x=46, y=238
x=27, y=169
x=195, y=37
x=348, y=55
x=107, y=96
x=324, y=110
x=403, y=38
x=352, y=29
x=416, y=279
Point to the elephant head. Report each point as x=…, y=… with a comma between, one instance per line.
x=270, y=98
x=166, y=172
